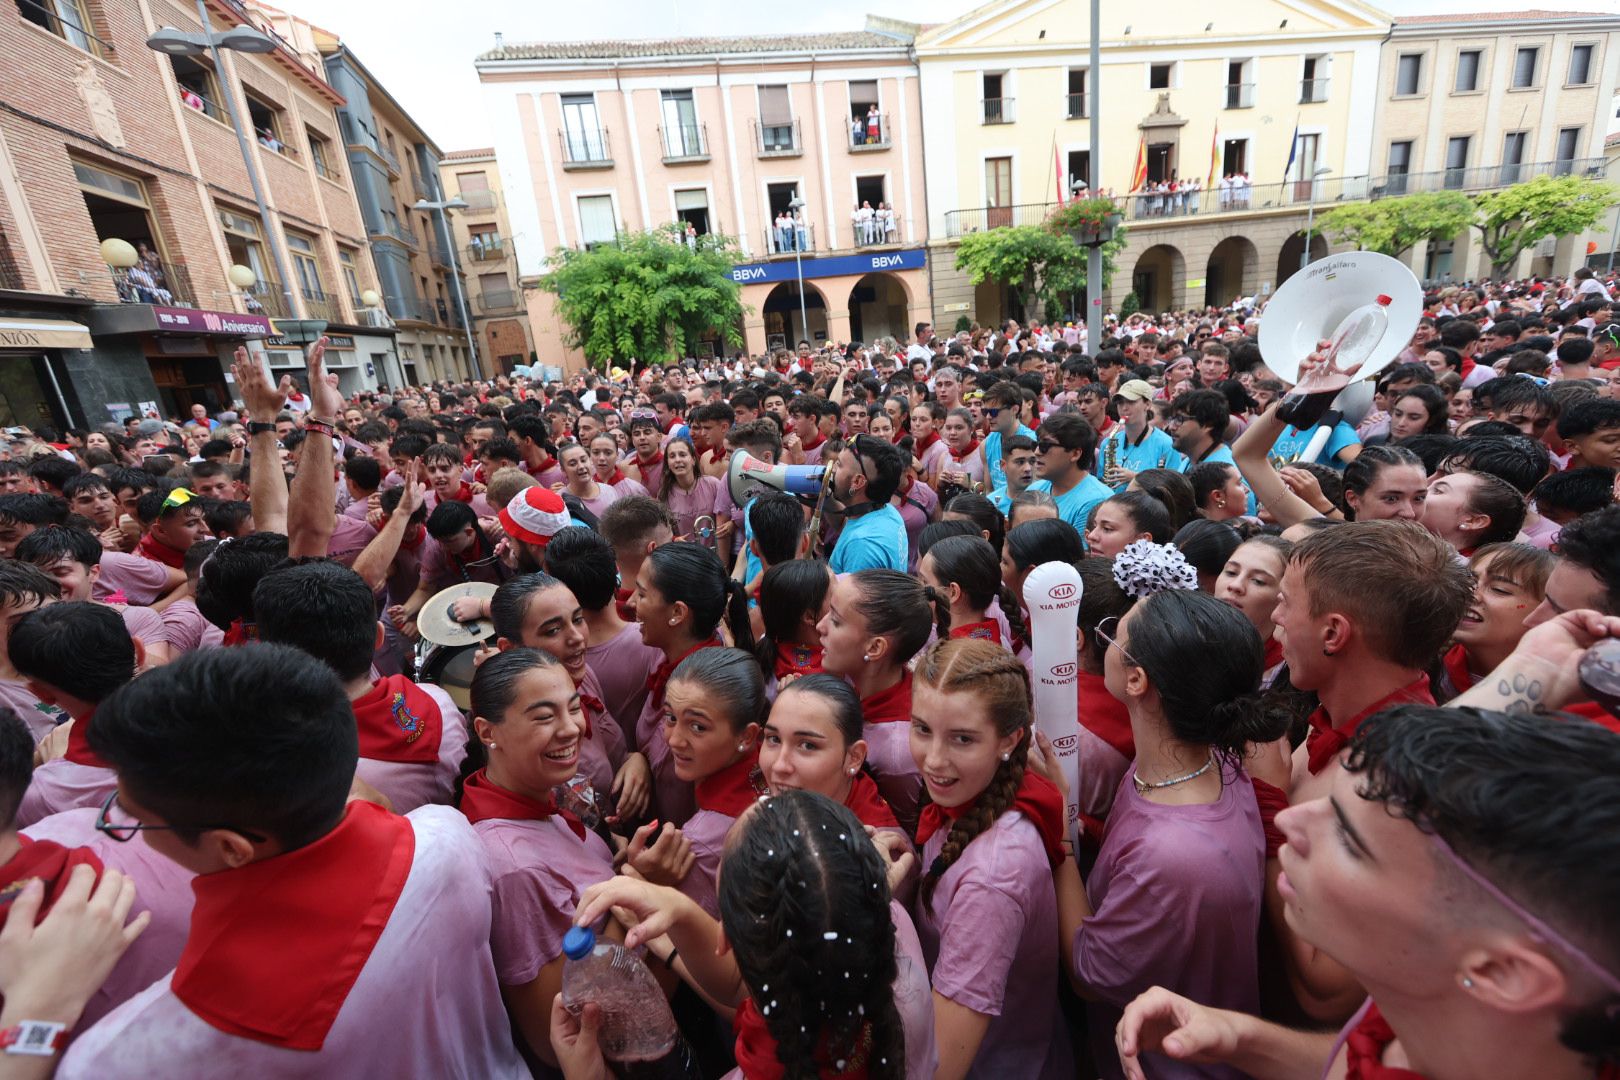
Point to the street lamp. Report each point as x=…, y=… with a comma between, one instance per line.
x=440, y=207
x=1310, y=216
x=241, y=38
x=1094, y=260
x=797, y=204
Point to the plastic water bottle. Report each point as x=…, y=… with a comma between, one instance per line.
x=637, y=1025
x=1359, y=333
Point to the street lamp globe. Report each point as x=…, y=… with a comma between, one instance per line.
x=118, y=253
x=248, y=39
x=242, y=277
x=177, y=42
x=370, y=298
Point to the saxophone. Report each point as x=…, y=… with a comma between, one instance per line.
x=1110, y=456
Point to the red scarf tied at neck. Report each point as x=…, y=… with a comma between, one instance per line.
x=660, y=678
x=795, y=659
x=1325, y=741
x=867, y=803
x=733, y=789
x=925, y=442
x=151, y=547
x=889, y=706
x=398, y=721
x=50, y=863
x=78, y=748
x=1037, y=799
x=983, y=630
x=966, y=453
x=482, y=800
x=756, y=1050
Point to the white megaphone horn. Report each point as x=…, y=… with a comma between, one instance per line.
x=749, y=478
x=1367, y=304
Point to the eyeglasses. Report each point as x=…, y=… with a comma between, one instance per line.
x=1044, y=445
x=124, y=832
x=1106, y=629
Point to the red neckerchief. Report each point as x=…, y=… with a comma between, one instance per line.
x=621, y=598
x=1455, y=663
x=656, y=459
x=78, y=746
x=152, y=548
x=276, y=945
x=809, y=446
x=1104, y=715
x=1325, y=741
x=924, y=443
x=1467, y=368
x=1274, y=654
x=398, y=721
x=657, y=680
x=1272, y=800
x=984, y=630
x=889, y=706
x=1037, y=799
x=545, y=466
x=795, y=659
x=1591, y=710
x=868, y=803
x=616, y=478
x=240, y=632
x=412, y=540
x=731, y=790
x=482, y=799
x=1364, y=1050
x=1109, y=424
x=51, y=863
x=972, y=446
x=756, y=1050
x=464, y=494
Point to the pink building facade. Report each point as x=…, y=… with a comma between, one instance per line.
x=806, y=150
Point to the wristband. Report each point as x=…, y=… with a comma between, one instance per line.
x=34, y=1038
x=321, y=427
x=669, y=961
x=261, y=429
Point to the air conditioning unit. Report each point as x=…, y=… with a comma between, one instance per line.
x=376, y=316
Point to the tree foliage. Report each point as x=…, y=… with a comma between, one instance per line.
x=1039, y=267
x=1392, y=226
x=1514, y=218
x=646, y=296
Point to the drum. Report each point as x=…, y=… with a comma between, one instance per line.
x=451, y=668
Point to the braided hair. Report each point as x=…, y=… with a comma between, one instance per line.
x=999, y=680
x=970, y=562
x=804, y=901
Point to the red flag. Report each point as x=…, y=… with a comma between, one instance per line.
x=1057, y=167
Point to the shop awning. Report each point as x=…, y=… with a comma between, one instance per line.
x=43, y=334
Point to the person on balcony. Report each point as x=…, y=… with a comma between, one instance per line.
x=874, y=126
x=801, y=231
x=863, y=221
x=190, y=97
x=857, y=131
x=887, y=227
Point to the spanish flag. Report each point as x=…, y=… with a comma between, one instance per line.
x=1214, y=155
x=1139, y=177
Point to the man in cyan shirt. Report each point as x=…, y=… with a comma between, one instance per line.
x=867, y=474
x=1063, y=459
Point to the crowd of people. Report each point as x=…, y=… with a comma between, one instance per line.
x=1346, y=732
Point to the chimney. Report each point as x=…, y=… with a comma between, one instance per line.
x=498, y=39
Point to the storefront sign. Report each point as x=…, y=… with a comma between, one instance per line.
x=837, y=266
x=43, y=334
x=333, y=341
x=197, y=321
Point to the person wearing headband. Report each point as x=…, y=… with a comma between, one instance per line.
x=1461, y=868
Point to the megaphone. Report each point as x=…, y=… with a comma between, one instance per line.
x=1330, y=300
x=749, y=478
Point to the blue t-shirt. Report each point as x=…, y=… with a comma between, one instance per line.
x=993, y=475
x=1291, y=443
x=1074, y=505
x=874, y=541
x=1156, y=451
x=1001, y=500
x=1223, y=454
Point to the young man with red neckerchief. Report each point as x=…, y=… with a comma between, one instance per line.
x=315, y=916
x=1460, y=867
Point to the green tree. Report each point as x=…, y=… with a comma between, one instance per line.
x=1392, y=226
x=1514, y=218
x=646, y=296
x=1038, y=266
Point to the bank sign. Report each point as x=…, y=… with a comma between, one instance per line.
x=837, y=266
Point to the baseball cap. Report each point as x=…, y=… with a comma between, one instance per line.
x=1135, y=390
x=534, y=516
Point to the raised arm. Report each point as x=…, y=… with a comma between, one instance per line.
x=1250, y=454
x=264, y=402
x=312, y=505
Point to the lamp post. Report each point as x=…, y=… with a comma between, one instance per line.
x=1094, y=259
x=241, y=38
x=797, y=204
x=1310, y=216
x=440, y=207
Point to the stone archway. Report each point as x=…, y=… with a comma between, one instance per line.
x=1233, y=271
x=781, y=315
x=879, y=305
x=1292, y=249
x=1159, y=279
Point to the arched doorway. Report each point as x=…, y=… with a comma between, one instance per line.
x=783, y=326
x=1157, y=278
x=1233, y=271
x=878, y=306
x=1292, y=249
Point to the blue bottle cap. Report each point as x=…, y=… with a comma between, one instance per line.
x=578, y=942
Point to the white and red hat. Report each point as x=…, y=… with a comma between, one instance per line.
x=534, y=516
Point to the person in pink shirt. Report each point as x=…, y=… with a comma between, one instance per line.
x=22, y=589
x=929, y=446
x=74, y=654
x=604, y=449
x=142, y=581
x=648, y=440
x=412, y=736
x=579, y=473
x=690, y=496
x=329, y=937
x=529, y=727
x=987, y=908
x=70, y=556
x=539, y=453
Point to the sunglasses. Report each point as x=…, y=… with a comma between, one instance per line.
x=1044, y=445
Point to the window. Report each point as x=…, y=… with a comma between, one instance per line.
x=692, y=208
x=1569, y=141
x=776, y=129
x=998, y=191
x=1400, y=163
x=1580, y=65
x=1079, y=170
x=484, y=243
x=1160, y=76
x=1467, y=71
x=1077, y=94
x=582, y=133
x=1524, y=67
x=351, y=275
x=867, y=125
x=1457, y=160
x=1512, y=156
x=1409, y=75
x=1239, y=84
x=266, y=121
x=198, y=87
x=245, y=242
x=997, y=106
x=683, y=137
x=1313, y=83
x=67, y=19
x=1235, y=157
x=120, y=209
x=306, y=267
x=495, y=293
x=596, y=222
x=321, y=156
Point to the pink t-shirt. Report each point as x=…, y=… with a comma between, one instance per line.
x=1542, y=532
x=1176, y=894
x=410, y=784
x=673, y=799
x=622, y=664
x=162, y=886
x=917, y=506
x=540, y=870
x=888, y=755
x=706, y=831
x=349, y=538
x=601, y=755
x=604, y=498
x=991, y=934
x=39, y=717
x=440, y=570
x=141, y=581
x=705, y=499
x=188, y=629
x=426, y=1003
x=143, y=623
x=60, y=785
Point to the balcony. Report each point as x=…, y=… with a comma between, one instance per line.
x=478, y=201
x=684, y=143
x=388, y=157
x=883, y=227
x=442, y=310
x=1076, y=107
x=791, y=239
x=323, y=169
x=267, y=298
x=777, y=140
x=1313, y=91
x=585, y=149
x=486, y=247
x=154, y=282
x=409, y=308
x=422, y=188
x=322, y=306
x=395, y=229
x=1240, y=95
x=869, y=132
x=441, y=255
x=997, y=110
x=498, y=301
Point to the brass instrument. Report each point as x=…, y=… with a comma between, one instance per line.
x=1110, y=455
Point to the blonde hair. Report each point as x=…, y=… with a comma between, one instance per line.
x=505, y=485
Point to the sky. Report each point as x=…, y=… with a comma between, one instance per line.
x=423, y=52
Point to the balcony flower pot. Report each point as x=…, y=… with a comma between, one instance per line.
x=1089, y=222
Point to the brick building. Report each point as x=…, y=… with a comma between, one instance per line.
x=487, y=251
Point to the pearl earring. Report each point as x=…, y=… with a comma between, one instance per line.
x=1006, y=757
x=1468, y=984
x=490, y=745
x=672, y=622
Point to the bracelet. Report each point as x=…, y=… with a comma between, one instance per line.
x=261, y=429
x=669, y=961
x=35, y=1038
x=321, y=427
